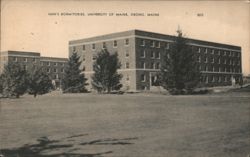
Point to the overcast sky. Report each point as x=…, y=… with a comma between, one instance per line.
x=26, y=25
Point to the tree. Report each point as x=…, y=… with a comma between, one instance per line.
x=1, y=83
x=106, y=77
x=180, y=72
x=74, y=80
x=39, y=82
x=14, y=79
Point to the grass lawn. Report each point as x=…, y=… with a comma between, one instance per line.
x=136, y=125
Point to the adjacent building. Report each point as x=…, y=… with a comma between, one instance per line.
x=141, y=54
x=31, y=60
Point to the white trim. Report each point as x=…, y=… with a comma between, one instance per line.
x=150, y=38
x=121, y=70
x=99, y=41
x=52, y=61
x=20, y=56
x=219, y=72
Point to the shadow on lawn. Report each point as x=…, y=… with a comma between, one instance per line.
x=45, y=144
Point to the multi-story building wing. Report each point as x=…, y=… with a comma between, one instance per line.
x=27, y=60
x=141, y=54
x=54, y=67
x=31, y=60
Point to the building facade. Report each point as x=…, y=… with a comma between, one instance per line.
x=32, y=60
x=141, y=55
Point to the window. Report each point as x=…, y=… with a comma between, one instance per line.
x=158, y=44
x=238, y=54
x=48, y=63
x=93, y=46
x=218, y=52
x=142, y=65
x=55, y=70
x=55, y=63
x=48, y=70
x=219, y=69
x=238, y=62
x=94, y=57
x=212, y=60
x=126, y=41
x=205, y=50
x=152, y=54
x=127, y=53
x=83, y=47
x=62, y=70
x=213, y=69
x=157, y=66
x=25, y=60
x=219, y=61
x=24, y=67
x=115, y=43
x=83, y=58
x=157, y=55
x=213, y=79
x=206, y=68
x=127, y=65
x=15, y=59
x=143, y=77
x=34, y=60
x=104, y=45
x=167, y=46
x=42, y=63
x=152, y=43
x=225, y=53
x=143, y=54
x=199, y=49
x=225, y=61
x=152, y=65
x=199, y=59
x=83, y=68
x=74, y=48
x=205, y=60
x=219, y=79
x=212, y=52
x=142, y=42
x=127, y=78
x=206, y=79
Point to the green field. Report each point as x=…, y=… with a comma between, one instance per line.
x=130, y=125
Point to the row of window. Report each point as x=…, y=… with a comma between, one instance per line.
x=218, y=79
x=205, y=79
x=219, y=69
x=153, y=43
x=153, y=54
x=216, y=51
x=225, y=61
x=53, y=63
x=93, y=46
x=24, y=59
x=42, y=63
x=143, y=65
x=55, y=70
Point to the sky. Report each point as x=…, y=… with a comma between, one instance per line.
x=27, y=25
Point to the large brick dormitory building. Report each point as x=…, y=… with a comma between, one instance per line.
x=141, y=55
x=28, y=60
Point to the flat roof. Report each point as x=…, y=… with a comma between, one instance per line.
x=42, y=58
x=26, y=53
x=142, y=33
